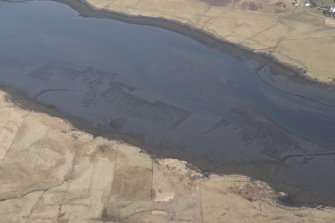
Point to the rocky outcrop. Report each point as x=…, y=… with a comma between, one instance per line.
x=50, y=172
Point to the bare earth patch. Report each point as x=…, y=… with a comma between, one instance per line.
x=330, y=22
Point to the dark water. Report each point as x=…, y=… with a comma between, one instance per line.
x=169, y=90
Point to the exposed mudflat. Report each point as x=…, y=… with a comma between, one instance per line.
x=174, y=95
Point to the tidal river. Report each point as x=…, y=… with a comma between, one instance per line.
x=228, y=114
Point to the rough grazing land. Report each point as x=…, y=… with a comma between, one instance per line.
x=50, y=172
x=299, y=36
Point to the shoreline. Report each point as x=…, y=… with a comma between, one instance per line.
x=195, y=163
x=199, y=162
x=236, y=50
x=86, y=186
x=293, y=72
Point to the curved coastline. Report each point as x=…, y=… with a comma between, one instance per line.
x=295, y=72
x=208, y=39
x=86, y=185
x=292, y=71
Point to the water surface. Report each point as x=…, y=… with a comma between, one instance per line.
x=169, y=90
